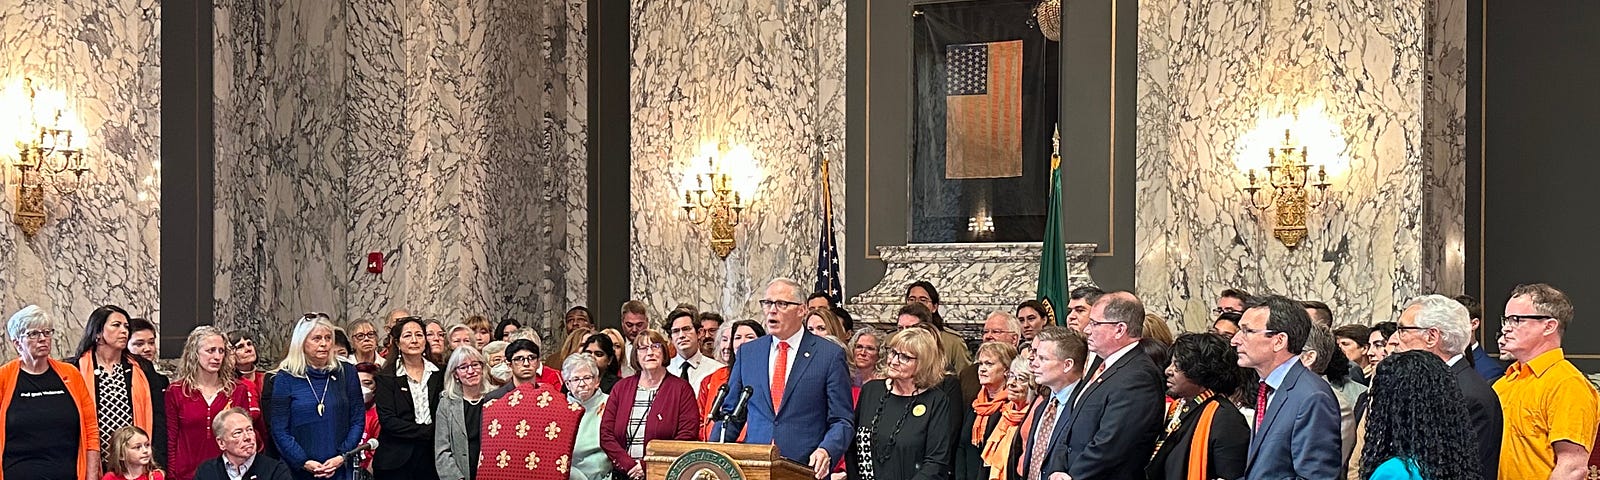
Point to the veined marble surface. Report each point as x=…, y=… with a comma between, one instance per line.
x=1205, y=71
x=102, y=245
x=448, y=136
x=768, y=74
x=973, y=280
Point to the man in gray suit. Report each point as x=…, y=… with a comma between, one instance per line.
x=1297, y=416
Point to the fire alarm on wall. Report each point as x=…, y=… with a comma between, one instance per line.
x=375, y=262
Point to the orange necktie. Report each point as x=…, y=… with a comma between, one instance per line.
x=780, y=376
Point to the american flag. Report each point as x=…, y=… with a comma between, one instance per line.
x=983, y=110
x=827, y=251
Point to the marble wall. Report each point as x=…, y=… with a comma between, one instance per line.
x=764, y=73
x=973, y=279
x=448, y=136
x=101, y=245
x=1391, y=74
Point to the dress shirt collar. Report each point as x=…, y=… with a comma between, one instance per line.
x=793, y=340
x=1453, y=360
x=427, y=369
x=1066, y=393
x=1117, y=355
x=238, y=471
x=1275, y=379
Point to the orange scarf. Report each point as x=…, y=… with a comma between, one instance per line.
x=1200, y=446
x=997, y=449
x=138, y=390
x=985, y=408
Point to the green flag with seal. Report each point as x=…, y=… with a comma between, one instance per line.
x=1053, y=285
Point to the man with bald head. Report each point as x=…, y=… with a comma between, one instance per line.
x=800, y=399
x=1116, y=414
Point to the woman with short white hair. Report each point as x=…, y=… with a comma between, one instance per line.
x=582, y=377
x=52, y=433
x=458, y=420
x=317, y=408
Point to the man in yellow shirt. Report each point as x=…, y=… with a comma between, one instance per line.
x=1551, y=411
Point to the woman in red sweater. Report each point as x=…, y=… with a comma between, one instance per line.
x=198, y=393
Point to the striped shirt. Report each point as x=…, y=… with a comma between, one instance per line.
x=636, y=421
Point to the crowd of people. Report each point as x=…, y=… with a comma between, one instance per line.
x=1272, y=390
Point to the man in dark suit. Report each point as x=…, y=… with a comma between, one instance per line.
x=238, y=443
x=1203, y=373
x=1116, y=413
x=1490, y=368
x=801, y=385
x=1441, y=326
x=1297, y=416
x=1057, y=364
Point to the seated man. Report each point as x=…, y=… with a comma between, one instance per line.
x=237, y=440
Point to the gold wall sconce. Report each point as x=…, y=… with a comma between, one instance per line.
x=718, y=187
x=1286, y=189
x=50, y=144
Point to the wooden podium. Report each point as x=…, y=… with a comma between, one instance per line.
x=719, y=461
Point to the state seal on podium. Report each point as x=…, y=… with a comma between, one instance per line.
x=704, y=464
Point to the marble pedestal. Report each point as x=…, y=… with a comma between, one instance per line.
x=973, y=280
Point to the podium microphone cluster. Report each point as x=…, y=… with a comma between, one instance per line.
x=740, y=408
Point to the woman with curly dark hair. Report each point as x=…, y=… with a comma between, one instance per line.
x=1417, y=422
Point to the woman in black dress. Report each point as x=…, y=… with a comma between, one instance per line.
x=903, y=423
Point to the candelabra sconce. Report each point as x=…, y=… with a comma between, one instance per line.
x=1285, y=188
x=49, y=153
x=717, y=188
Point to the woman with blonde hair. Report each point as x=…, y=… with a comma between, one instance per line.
x=983, y=418
x=821, y=321
x=199, y=391
x=459, y=419
x=482, y=332
x=317, y=408
x=903, y=422
x=621, y=358
x=458, y=336
x=572, y=344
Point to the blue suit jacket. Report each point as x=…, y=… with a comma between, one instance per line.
x=816, y=410
x=1302, y=422
x=1488, y=367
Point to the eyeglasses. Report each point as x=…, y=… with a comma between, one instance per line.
x=40, y=334
x=468, y=367
x=1264, y=332
x=897, y=356
x=779, y=304
x=583, y=380
x=650, y=347
x=1410, y=327
x=524, y=359
x=1221, y=310
x=1515, y=320
x=1019, y=376
x=365, y=336
x=1093, y=322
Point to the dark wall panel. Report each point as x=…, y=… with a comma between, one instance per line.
x=1538, y=167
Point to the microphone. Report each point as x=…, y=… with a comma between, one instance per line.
x=717, y=414
x=739, y=408
x=372, y=444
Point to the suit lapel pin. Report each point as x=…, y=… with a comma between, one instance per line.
x=807, y=354
x=918, y=410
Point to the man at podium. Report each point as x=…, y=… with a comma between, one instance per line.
x=800, y=386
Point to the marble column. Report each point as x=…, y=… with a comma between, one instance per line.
x=453, y=146
x=1391, y=76
x=767, y=74
x=102, y=244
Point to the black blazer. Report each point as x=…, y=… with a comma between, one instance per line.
x=263, y=468
x=1121, y=413
x=1229, y=448
x=400, y=437
x=1483, y=410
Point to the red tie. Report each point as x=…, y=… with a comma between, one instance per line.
x=1261, y=404
x=780, y=376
